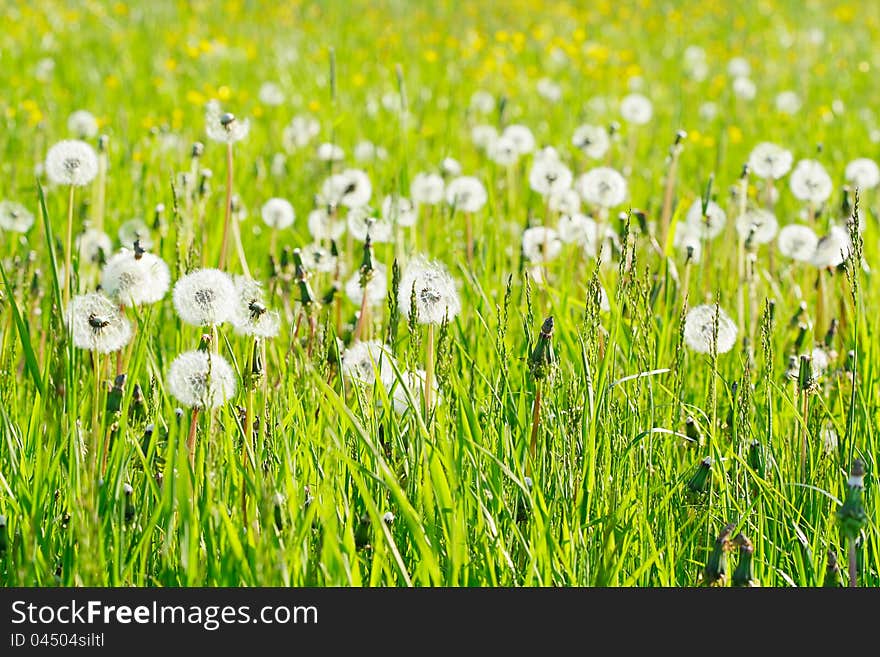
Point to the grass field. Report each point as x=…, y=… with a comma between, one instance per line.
x=640, y=439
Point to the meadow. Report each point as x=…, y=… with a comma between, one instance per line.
x=467, y=294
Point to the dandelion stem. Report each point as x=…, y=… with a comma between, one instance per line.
x=852, y=563
x=469, y=236
x=68, y=253
x=227, y=220
x=191, y=439
x=429, y=371
x=536, y=424
x=668, y=195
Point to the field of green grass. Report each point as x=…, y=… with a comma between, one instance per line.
x=702, y=409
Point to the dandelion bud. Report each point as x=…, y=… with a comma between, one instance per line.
x=793, y=367
x=306, y=295
x=205, y=176
x=832, y=332
x=278, y=506
x=388, y=518
x=680, y=135
x=699, y=482
x=114, y=399
x=613, y=128
x=103, y=143
x=832, y=572
x=205, y=342
x=744, y=574
x=715, y=573
x=178, y=413
x=805, y=373
x=692, y=431
x=850, y=363
x=803, y=329
x=543, y=359
x=257, y=369
x=129, y=505
x=198, y=149
x=362, y=532
x=851, y=515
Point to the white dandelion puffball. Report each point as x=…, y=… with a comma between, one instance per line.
x=398, y=211
x=709, y=226
x=566, y=201
x=768, y=160
x=503, y=152
x=351, y=188
x=436, y=297
x=93, y=245
x=579, y=229
x=328, y=152
x=15, y=218
x=744, y=88
x=317, y=258
x=549, y=90
x=788, y=102
x=97, y=324
x=548, y=176
x=134, y=230
x=603, y=187
x=739, y=67
x=251, y=316
x=277, y=213
x=522, y=138
x=863, y=173
x=832, y=249
x=708, y=111
x=412, y=382
x=363, y=360
x=201, y=379
x=325, y=226
x=205, y=297
x=540, y=244
x=797, y=242
x=810, y=182
x=686, y=239
x=71, y=162
x=427, y=189
x=482, y=101
x=547, y=153
x=365, y=151
x=270, y=94
x=224, y=127
x=377, y=287
x=82, y=124
x=484, y=135
x=466, y=194
x=700, y=331
x=361, y=223
x=299, y=132
x=450, y=166
x=593, y=140
x=758, y=225
x=636, y=109
x=135, y=278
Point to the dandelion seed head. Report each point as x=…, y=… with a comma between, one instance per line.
x=541, y=244
x=82, y=124
x=250, y=315
x=688, y=241
x=450, y=166
x=769, y=160
x=482, y=101
x=788, y=102
x=832, y=249
x=797, y=242
x=299, y=132
x=135, y=230
x=201, y=379
x=363, y=360
x=466, y=194
x=705, y=227
x=503, y=151
x=564, y=202
x=71, y=162
x=744, y=88
x=739, y=67
x=328, y=152
x=319, y=259
x=134, y=278
x=603, y=187
x=810, y=182
x=94, y=245
x=15, y=218
x=593, y=140
x=548, y=176
x=361, y=222
x=521, y=137
x=484, y=135
x=758, y=225
x=699, y=329
x=579, y=229
x=427, y=189
x=205, y=297
x=436, y=296
x=636, y=109
x=398, y=211
x=863, y=173
x=97, y=324
x=277, y=213
x=271, y=94
x=325, y=226
x=350, y=188
x=224, y=127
